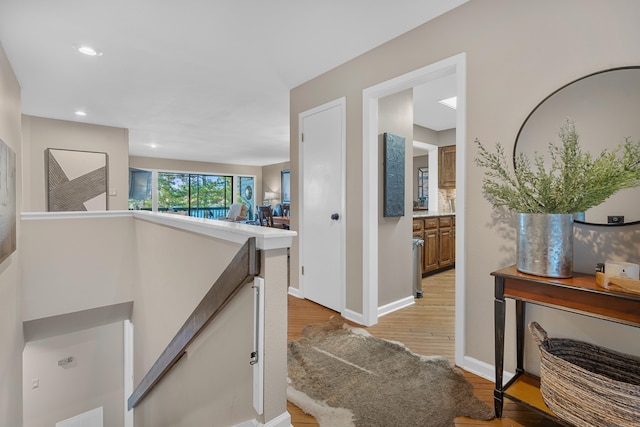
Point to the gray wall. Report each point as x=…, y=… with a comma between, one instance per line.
x=11, y=338
x=517, y=53
x=271, y=179
x=422, y=134
x=104, y=264
x=447, y=137
x=76, y=272
x=40, y=134
x=171, y=165
x=395, y=113
x=95, y=378
x=211, y=385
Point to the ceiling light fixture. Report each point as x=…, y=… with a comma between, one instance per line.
x=81, y=113
x=450, y=102
x=87, y=50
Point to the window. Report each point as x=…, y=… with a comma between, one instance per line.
x=202, y=196
x=193, y=194
x=140, y=189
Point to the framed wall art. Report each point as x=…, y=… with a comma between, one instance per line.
x=76, y=180
x=7, y=201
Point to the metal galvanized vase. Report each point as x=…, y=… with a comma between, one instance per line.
x=545, y=244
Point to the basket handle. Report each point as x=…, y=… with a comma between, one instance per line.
x=538, y=333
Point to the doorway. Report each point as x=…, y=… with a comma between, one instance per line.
x=456, y=65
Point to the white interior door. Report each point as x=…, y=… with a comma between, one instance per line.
x=322, y=222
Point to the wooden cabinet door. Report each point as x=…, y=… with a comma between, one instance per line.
x=447, y=167
x=418, y=227
x=430, y=255
x=445, y=247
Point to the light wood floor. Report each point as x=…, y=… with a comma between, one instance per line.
x=426, y=328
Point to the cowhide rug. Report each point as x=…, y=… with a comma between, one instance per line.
x=343, y=376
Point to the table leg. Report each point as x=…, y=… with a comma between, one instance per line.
x=520, y=309
x=499, y=311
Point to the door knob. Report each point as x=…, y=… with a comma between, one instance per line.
x=335, y=216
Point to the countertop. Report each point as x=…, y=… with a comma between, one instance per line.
x=426, y=214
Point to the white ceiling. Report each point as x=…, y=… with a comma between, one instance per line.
x=427, y=111
x=203, y=80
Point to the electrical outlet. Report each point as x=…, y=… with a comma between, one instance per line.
x=615, y=219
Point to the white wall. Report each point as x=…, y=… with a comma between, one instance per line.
x=41, y=133
x=11, y=339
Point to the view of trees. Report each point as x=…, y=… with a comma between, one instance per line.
x=179, y=190
x=204, y=196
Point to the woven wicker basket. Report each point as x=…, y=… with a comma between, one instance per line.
x=587, y=385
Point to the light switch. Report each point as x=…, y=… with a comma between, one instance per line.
x=113, y=192
x=35, y=383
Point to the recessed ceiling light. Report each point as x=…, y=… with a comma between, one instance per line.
x=450, y=102
x=87, y=50
x=81, y=113
x=153, y=145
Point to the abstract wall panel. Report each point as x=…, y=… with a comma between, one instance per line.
x=76, y=180
x=393, y=175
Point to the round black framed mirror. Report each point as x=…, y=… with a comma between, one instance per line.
x=605, y=107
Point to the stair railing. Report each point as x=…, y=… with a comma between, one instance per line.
x=241, y=270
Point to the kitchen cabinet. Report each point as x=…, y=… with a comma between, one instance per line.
x=418, y=227
x=438, y=233
x=447, y=167
x=445, y=242
x=430, y=250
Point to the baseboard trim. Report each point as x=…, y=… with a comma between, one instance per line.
x=382, y=311
x=282, y=420
x=484, y=370
x=395, y=306
x=353, y=316
x=249, y=423
x=295, y=292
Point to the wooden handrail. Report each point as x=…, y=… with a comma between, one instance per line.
x=243, y=267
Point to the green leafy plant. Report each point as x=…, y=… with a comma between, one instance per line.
x=574, y=182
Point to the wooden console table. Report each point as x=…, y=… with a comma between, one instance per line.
x=578, y=294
